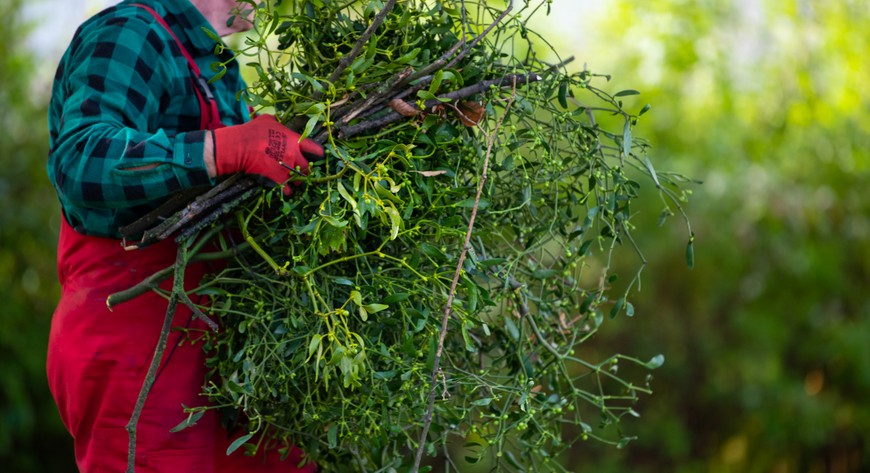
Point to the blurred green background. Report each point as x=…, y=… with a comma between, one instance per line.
x=767, y=340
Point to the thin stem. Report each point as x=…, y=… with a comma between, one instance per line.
x=448, y=308
x=243, y=226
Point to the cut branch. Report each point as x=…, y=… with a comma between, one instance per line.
x=151, y=375
x=202, y=210
x=361, y=42
x=465, y=92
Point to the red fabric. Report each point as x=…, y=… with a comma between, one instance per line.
x=263, y=147
x=97, y=360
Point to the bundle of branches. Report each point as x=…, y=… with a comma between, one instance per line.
x=431, y=284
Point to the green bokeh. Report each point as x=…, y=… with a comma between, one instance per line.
x=767, y=341
x=32, y=438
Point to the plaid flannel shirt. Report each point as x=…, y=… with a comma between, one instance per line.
x=124, y=117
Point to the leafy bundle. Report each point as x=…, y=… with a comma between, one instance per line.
x=433, y=281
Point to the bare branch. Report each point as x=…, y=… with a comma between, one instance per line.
x=465, y=92
x=360, y=43
x=448, y=308
x=151, y=375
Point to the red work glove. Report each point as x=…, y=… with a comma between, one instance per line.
x=265, y=148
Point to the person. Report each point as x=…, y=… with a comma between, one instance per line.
x=133, y=119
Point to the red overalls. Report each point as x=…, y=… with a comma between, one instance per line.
x=97, y=360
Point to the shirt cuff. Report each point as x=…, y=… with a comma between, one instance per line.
x=189, y=149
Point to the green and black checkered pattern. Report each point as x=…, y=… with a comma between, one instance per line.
x=124, y=118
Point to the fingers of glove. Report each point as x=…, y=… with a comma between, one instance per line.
x=311, y=150
x=269, y=183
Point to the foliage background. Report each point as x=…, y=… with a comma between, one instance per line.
x=767, y=341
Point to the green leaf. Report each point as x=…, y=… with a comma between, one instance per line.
x=512, y=459
x=469, y=203
x=397, y=297
x=395, y=221
x=314, y=83
x=211, y=34
x=309, y=126
x=652, y=172
x=190, y=421
x=563, y=94
x=690, y=254
x=664, y=215
x=626, y=138
x=482, y=402
x=219, y=69
x=436, y=82
x=375, y=308
x=617, y=307
x=334, y=222
x=469, y=342
x=511, y=327
x=487, y=263
x=655, y=362
x=426, y=95
x=356, y=65
x=332, y=436
x=644, y=109
x=238, y=443
x=385, y=374
x=408, y=57
x=356, y=297
x=314, y=344
x=433, y=252
x=626, y=93
x=346, y=195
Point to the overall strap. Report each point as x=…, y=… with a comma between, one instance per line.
x=209, y=114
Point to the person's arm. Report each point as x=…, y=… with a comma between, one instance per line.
x=109, y=151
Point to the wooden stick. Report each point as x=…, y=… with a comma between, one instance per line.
x=151, y=375
x=465, y=92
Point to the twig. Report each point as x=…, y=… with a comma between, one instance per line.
x=465, y=92
x=482, y=35
x=376, y=97
x=148, y=284
x=405, y=77
x=345, y=61
x=151, y=375
x=436, y=366
x=361, y=42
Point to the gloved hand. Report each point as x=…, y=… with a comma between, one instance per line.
x=265, y=148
